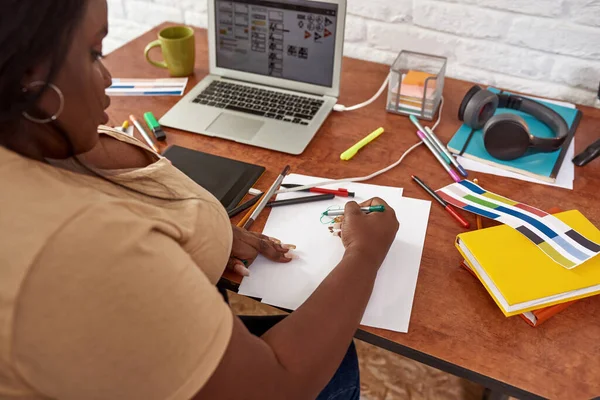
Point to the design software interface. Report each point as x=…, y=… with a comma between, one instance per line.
x=292, y=40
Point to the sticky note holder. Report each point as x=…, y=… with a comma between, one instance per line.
x=416, y=84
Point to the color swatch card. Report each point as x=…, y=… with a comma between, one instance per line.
x=559, y=241
x=318, y=251
x=147, y=87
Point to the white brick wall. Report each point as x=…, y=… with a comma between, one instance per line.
x=545, y=47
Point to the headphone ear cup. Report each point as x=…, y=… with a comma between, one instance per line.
x=468, y=96
x=506, y=136
x=480, y=109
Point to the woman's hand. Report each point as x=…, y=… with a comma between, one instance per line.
x=248, y=245
x=369, y=235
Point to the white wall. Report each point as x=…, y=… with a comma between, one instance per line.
x=545, y=47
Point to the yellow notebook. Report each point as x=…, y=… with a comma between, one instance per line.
x=519, y=276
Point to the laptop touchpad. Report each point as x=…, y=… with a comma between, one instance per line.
x=235, y=127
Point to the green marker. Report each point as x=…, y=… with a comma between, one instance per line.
x=337, y=213
x=154, y=126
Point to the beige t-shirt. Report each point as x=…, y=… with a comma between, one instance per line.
x=106, y=293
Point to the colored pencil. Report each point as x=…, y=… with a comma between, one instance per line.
x=248, y=214
x=257, y=209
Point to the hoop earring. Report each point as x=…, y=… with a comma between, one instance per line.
x=61, y=106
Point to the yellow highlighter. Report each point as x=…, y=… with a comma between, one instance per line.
x=348, y=154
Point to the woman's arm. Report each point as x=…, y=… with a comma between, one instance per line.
x=115, y=309
x=297, y=357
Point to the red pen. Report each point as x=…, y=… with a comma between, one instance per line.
x=339, y=192
x=447, y=207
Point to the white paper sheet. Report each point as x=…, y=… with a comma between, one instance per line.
x=300, y=225
x=289, y=285
x=564, y=178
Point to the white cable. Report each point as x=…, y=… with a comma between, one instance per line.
x=439, y=115
x=341, y=107
x=374, y=174
x=357, y=179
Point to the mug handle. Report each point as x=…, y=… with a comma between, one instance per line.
x=159, y=64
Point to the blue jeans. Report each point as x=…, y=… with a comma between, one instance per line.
x=345, y=384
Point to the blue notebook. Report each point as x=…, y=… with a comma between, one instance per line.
x=538, y=165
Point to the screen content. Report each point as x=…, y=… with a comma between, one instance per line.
x=293, y=40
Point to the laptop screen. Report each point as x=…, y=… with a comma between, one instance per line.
x=289, y=39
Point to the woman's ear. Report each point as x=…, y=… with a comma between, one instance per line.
x=38, y=73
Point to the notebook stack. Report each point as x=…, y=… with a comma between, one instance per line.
x=521, y=278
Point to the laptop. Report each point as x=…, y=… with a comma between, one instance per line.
x=274, y=73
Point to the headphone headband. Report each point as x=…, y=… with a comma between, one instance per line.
x=545, y=114
x=479, y=105
x=509, y=101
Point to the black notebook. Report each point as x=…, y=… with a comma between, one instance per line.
x=228, y=180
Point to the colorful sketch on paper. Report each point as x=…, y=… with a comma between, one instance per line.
x=555, y=238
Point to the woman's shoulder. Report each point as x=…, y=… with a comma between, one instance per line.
x=38, y=194
x=99, y=235
x=116, y=150
x=43, y=203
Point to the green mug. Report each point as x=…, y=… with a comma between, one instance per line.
x=178, y=49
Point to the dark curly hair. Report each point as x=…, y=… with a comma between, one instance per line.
x=31, y=32
x=36, y=31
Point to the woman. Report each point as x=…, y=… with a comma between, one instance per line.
x=110, y=256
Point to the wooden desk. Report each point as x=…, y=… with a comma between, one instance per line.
x=455, y=325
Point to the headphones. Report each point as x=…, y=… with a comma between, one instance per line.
x=507, y=136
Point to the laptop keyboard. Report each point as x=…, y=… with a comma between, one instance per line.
x=266, y=103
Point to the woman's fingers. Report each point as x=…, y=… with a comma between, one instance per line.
x=282, y=247
x=270, y=247
x=272, y=239
x=238, y=267
x=274, y=252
